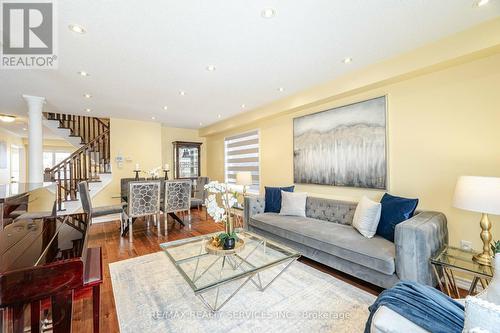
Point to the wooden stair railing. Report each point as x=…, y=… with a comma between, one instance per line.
x=87, y=128
x=86, y=163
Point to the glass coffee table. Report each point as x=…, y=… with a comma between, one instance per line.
x=216, y=277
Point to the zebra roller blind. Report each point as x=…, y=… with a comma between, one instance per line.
x=242, y=154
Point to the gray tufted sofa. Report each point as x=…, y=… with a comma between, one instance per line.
x=326, y=236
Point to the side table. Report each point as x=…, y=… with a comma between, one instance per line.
x=450, y=260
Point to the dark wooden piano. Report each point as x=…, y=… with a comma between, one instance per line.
x=43, y=262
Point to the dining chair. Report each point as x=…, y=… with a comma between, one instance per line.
x=143, y=201
x=83, y=189
x=124, y=186
x=177, y=198
x=200, y=194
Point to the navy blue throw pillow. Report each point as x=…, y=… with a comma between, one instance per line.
x=273, y=198
x=394, y=210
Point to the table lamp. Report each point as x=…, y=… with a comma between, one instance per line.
x=482, y=195
x=244, y=178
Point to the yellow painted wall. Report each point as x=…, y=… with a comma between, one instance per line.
x=441, y=124
x=137, y=141
x=9, y=139
x=171, y=134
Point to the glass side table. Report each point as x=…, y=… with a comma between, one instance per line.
x=237, y=214
x=451, y=259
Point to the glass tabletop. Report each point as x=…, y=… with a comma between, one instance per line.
x=461, y=260
x=203, y=271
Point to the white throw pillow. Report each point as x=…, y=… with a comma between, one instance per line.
x=293, y=203
x=481, y=316
x=367, y=217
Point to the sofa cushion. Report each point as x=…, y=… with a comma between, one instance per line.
x=330, y=210
x=336, y=239
x=273, y=198
x=394, y=211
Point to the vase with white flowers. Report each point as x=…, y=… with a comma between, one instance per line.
x=220, y=193
x=153, y=173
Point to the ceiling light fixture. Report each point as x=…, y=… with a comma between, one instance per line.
x=480, y=3
x=25, y=129
x=7, y=118
x=201, y=124
x=219, y=116
x=165, y=108
x=243, y=106
x=268, y=13
x=210, y=68
x=87, y=95
x=182, y=93
x=77, y=28
x=347, y=60
x=83, y=73
x=281, y=89
x=153, y=118
x=88, y=110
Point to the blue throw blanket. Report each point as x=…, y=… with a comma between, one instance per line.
x=425, y=306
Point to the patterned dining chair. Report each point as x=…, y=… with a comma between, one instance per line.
x=124, y=186
x=200, y=194
x=177, y=198
x=143, y=201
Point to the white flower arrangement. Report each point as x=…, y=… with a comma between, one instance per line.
x=154, y=173
x=228, y=200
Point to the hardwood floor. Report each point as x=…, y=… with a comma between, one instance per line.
x=146, y=240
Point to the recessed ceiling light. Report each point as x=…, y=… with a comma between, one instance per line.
x=165, y=108
x=87, y=95
x=281, y=89
x=210, y=68
x=268, y=13
x=347, y=60
x=77, y=28
x=182, y=93
x=201, y=124
x=88, y=110
x=153, y=118
x=83, y=73
x=25, y=129
x=243, y=106
x=480, y=3
x=219, y=116
x=7, y=118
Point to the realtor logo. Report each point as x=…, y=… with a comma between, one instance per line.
x=28, y=35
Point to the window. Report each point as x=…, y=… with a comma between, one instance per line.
x=242, y=154
x=51, y=158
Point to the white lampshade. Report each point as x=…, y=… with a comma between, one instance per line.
x=478, y=194
x=244, y=178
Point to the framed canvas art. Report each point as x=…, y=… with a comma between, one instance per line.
x=344, y=146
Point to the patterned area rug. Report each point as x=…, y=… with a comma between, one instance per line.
x=151, y=296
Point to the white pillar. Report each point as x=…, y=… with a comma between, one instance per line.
x=35, y=138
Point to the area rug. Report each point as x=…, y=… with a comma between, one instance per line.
x=151, y=296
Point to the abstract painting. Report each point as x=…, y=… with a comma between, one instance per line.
x=344, y=146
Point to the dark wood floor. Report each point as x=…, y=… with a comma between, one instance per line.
x=146, y=240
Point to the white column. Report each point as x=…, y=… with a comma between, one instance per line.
x=35, y=138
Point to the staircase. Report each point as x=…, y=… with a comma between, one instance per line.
x=88, y=162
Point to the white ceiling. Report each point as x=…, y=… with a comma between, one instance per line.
x=140, y=54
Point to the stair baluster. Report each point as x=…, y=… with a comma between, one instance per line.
x=87, y=162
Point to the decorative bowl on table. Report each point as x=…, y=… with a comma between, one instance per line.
x=214, y=246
